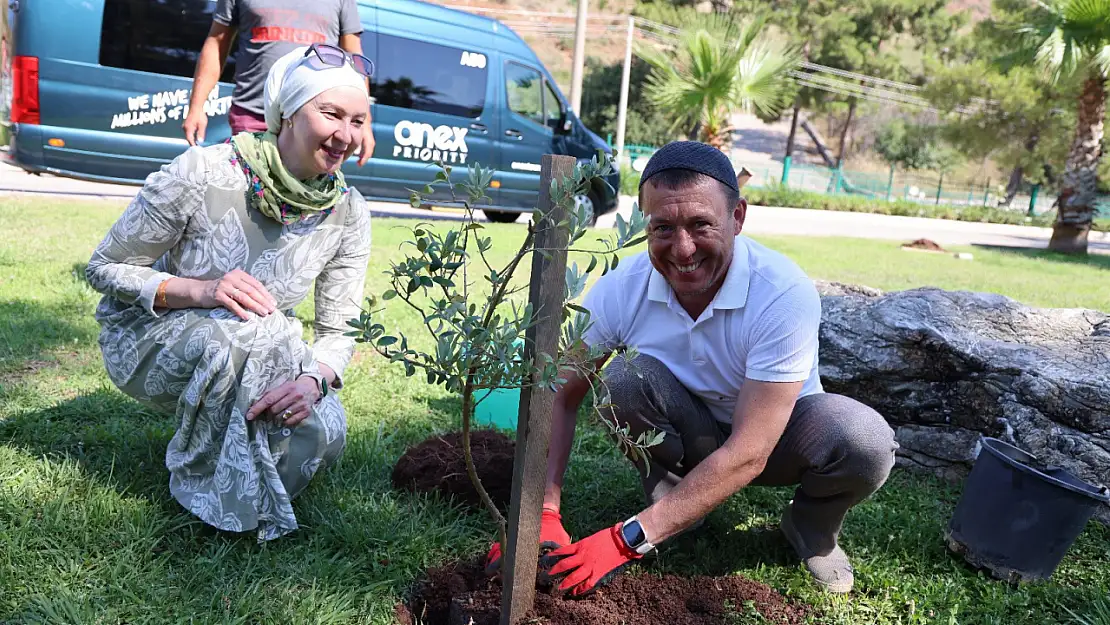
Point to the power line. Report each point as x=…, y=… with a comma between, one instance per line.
x=857, y=76
x=854, y=89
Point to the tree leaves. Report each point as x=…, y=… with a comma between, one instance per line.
x=478, y=336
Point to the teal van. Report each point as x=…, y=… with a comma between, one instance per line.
x=98, y=89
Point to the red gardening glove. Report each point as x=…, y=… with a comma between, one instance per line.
x=592, y=561
x=552, y=536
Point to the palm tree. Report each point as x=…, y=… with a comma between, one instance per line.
x=1067, y=38
x=717, y=66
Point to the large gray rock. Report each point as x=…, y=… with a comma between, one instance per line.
x=945, y=367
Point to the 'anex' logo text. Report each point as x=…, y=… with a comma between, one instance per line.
x=424, y=142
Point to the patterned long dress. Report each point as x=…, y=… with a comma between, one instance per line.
x=208, y=366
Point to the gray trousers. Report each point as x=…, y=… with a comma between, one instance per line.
x=835, y=449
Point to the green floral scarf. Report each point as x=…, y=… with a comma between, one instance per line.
x=275, y=192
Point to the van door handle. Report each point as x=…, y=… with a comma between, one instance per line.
x=514, y=134
x=478, y=127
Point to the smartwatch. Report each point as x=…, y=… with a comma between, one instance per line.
x=321, y=381
x=634, y=537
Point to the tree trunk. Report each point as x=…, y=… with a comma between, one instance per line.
x=1012, y=187
x=793, y=129
x=819, y=141
x=1076, y=203
x=695, y=132
x=845, y=133
x=1018, y=174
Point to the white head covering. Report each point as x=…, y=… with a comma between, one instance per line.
x=295, y=79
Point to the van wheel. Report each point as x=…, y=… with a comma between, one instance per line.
x=501, y=217
x=593, y=202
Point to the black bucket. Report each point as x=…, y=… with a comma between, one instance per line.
x=1017, y=521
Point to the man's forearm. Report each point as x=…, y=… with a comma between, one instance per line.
x=207, y=73
x=558, y=455
x=759, y=419
x=704, y=488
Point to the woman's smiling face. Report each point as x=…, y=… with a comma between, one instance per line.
x=325, y=132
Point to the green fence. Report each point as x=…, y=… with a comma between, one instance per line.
x=924, y=187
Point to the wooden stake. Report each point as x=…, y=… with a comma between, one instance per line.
x=546, y=290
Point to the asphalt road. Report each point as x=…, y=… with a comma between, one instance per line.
x=760, y=220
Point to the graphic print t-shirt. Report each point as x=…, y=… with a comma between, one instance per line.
x=269, y=29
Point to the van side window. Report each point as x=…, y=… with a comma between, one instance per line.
x=428, y=77
x=553, y=110
x=524, y=88
x=158, y=37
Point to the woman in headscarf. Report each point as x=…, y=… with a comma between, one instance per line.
x=196, y=274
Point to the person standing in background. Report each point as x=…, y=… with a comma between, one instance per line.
x=268, y=30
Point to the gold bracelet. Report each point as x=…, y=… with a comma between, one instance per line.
x=160, y=296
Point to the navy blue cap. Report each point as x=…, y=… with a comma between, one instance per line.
x=693, y=156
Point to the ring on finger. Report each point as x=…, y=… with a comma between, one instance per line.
x=285, y=415
x=235, y=292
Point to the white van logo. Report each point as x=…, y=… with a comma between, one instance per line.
x=424, y=142
x=473, y=59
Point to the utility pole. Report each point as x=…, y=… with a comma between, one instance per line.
x=622, y=108
x=579, y=59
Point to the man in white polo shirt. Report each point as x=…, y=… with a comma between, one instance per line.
x=726, y=331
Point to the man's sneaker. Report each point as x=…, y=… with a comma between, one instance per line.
x=833, y=572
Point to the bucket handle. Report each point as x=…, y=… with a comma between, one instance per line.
x=1103, y=490
x=1103, y=495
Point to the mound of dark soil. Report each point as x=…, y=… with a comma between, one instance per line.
x=453, y=595
x=924, y=244
x=438, y=464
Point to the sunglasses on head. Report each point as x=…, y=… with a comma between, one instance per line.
x=336, y=57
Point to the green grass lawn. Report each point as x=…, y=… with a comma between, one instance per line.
x=89, y=533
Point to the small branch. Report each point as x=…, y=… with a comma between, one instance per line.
x=391, y=355
x=404, y=295
x=485, y=261
x=472, y=473
x=499, y=294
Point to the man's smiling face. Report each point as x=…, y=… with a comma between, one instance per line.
x=691, y=232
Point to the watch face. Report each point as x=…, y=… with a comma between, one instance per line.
x=633, y=534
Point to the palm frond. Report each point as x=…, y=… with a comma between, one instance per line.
x=717, y=67
x=751, y=31
x=1102, y=60
x=1049, y=57
x=759, y=84
x=1063, y=36
x=1088, y=15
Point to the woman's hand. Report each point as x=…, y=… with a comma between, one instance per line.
x=237, y=291
x=288, y=404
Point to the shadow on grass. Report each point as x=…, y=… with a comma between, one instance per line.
x=30, y=329
x=360, y=542
x=1095, y=261
x=122, y=444
x=112, y=437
